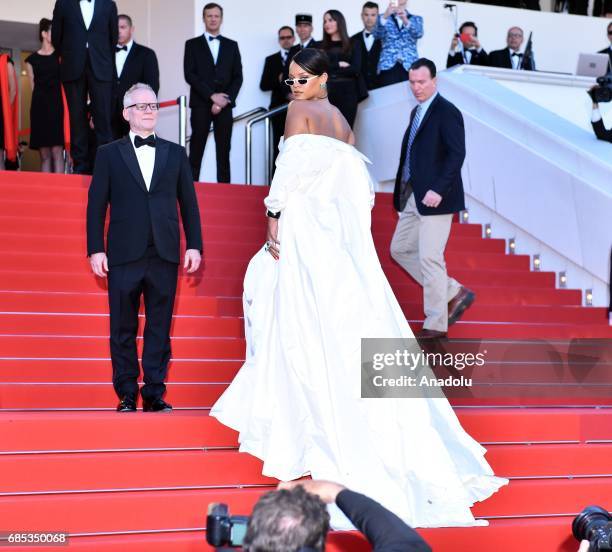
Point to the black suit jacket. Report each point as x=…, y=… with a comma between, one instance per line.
x=71, y=38
x=206, y=78
x=369, y=60
x=117, y=181
x=501, y=58
x=140, y=66
x=273, y=67
x=478, y=58
x=383, y=529
x=436, y=158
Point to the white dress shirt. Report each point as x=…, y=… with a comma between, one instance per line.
x=398, y=19
x=369, y=40
x=515, y=60
x=87, y=10
x=146, y=160
x=121, y=56
x=596, y=115
x=213, y=45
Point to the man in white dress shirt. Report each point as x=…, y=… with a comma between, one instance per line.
x=134, y=63
x=512, y=57
x=213, y=69
x=369, y=44
x=142, y=178
x=84, y=34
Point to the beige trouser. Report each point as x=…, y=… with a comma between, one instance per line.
x=418, y=246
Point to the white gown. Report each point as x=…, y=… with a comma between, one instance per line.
x=295, y=401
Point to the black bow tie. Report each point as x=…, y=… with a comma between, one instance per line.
x=517, y=54
x=211, y=38
x=148, y=141
x=367, y=35
x=119, y=48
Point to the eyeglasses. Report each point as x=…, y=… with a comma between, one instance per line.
x=143, y=106
x=301, y=80
x=515, y=35
x=288, y=37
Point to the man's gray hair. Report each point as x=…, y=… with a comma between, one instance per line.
x=127, y=98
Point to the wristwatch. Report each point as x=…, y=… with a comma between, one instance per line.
x=273, y=215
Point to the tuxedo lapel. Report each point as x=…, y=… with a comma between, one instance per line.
x=129, y=156
x=161, y=156
x=77, y=6
x=130, y=60
x=96, y=11
x=207, y=51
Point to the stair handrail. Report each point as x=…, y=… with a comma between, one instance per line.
x=268, y=142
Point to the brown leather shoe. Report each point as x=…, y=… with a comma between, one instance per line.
x=458, y=304
x=430, y=334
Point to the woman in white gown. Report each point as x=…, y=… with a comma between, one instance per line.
x=309, y=297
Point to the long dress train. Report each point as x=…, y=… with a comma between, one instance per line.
x=296, y=400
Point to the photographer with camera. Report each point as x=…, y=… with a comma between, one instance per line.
x=593, y=529
x=601, y=92
x=294, y=518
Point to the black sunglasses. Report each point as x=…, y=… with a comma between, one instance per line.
x=288, y=37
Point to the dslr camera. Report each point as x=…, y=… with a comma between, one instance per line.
x=222, y=530
x=603, y=91
x=595, y=525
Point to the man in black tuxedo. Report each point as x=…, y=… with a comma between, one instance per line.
x=275, y=71
x=608, y=49
x=370, y=46
x=141, y=177
x=296, y=515
x=511, y=57
x=428, y=191
x=465, y=47
x=213, y=69
x=84, y=34
x=133, y=63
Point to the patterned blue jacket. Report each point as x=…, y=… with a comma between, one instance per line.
x=398, y=44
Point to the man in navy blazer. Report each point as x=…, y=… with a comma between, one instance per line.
x=213, y=69
x=84, y=34
x=428, y=191
x=142, y=178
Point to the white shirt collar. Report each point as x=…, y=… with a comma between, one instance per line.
x=133, y=136
x=128, y=45
x=425, y=105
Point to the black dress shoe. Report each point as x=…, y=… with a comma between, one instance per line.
x=458, y=304
x=430, y=334
x=127, y=404
x=156, y=405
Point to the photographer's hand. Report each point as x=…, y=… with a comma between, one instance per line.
x=327, y=491
x=584, y=546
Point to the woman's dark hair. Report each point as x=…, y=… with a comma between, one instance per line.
x=326, y=43
x=43, y=27
x=312, y=60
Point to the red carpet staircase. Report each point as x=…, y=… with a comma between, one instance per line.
x=68, y=462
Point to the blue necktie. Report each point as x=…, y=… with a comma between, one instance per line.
x=413, y=130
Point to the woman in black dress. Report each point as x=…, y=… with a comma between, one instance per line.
x=345, y=61
x=47, y=110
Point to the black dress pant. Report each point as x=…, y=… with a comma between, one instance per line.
x=100, y=93
x=154, y=279
x=223, y=123
x=396, y=74
x=343, y=94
